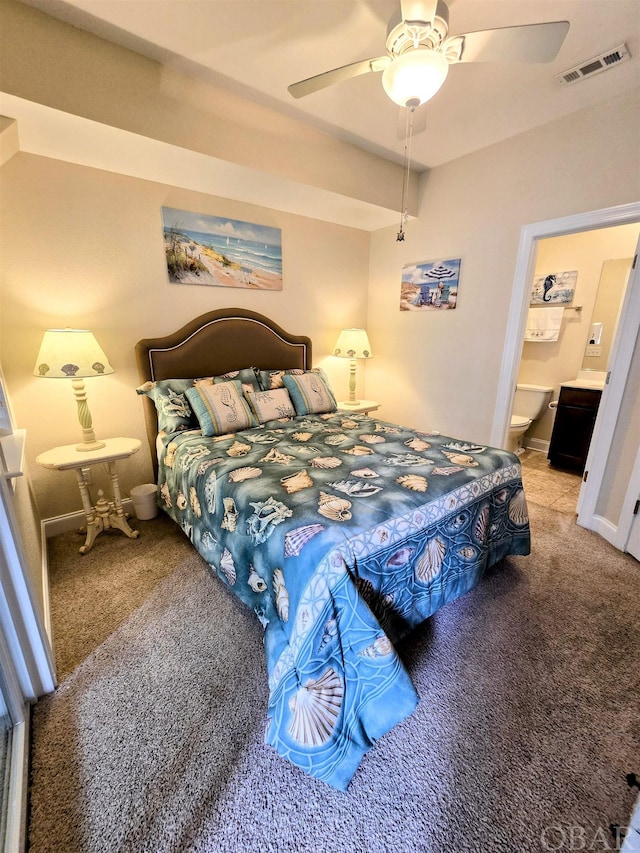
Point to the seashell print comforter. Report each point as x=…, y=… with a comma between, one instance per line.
x=341, y=534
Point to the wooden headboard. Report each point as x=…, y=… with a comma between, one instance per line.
x=215, y=343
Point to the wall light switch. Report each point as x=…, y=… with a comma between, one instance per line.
x=593, y=352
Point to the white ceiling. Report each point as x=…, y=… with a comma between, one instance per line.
x=257, y=47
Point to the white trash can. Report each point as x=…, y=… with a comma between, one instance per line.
x=144, y=501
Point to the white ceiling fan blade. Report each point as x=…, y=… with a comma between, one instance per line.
x=418, y=10
x=528, y=43
x=337, y=75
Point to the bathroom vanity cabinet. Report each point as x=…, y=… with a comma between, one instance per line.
x=572, y=429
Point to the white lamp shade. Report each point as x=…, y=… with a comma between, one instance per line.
x=353, y=343
x=70, y=354
x=415, y=76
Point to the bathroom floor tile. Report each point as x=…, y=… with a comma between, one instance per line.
x=566, y=502
x=534, y=459
x=547, y=486
x=564, y=476
x=536, y=494
x=544, y=482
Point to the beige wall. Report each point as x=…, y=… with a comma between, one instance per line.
x=441, y=369
x=606, y=311
x=558, y=361
x=83, y=248
x=81, y=74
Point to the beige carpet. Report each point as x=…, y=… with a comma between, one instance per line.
x=527, y=725
x=92, y=594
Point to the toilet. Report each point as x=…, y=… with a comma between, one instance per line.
x=529, y=403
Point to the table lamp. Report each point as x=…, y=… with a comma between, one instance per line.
x=352, y=344
x=74, y=354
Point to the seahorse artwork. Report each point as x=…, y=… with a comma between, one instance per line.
x=227, y=400
x=314, y=386
x=549, y=281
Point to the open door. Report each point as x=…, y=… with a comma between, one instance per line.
x=633, y=543
x=626, y=338
x=608, y=419
x=629, y=526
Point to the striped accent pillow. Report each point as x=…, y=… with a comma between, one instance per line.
x=310, y=393
x=222, y=408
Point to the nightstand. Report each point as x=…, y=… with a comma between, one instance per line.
x=105, y=514
x=362, y=406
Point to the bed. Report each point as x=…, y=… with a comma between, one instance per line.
x=341, y=531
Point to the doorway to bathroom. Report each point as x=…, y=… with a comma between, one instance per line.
x=572, y=359
x=605, y=503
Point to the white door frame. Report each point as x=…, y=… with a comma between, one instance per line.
x=622, y=350
x=23, y=629
x=627, y=516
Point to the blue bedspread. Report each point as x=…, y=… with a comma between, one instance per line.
x=342, y=533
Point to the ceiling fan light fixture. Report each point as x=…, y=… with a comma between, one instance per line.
x=415, y=76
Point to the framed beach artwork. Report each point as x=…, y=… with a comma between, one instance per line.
x=221, y=252
x=556, y=288
x=430, y=285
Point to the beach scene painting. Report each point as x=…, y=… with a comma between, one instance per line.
x=430, y=285
x=554, y=288
x=221, y=252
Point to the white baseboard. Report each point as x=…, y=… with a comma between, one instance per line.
x=44, y=581
x=63, y=523
x=603, y=527
x=73, y=520
x=537, y=444
x=16, y=828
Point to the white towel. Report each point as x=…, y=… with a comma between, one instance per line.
x=543, y=324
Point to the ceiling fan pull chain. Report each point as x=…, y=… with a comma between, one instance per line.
x=404, y=215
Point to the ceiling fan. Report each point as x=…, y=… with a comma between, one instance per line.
x=420, y=50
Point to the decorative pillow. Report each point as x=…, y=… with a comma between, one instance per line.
x=221, y=408
x=270, y=379
x=246, y=376
x=310, y=392
x=269, y=405
x=172, y=406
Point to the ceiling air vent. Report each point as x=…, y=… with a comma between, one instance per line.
x=600, y=63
